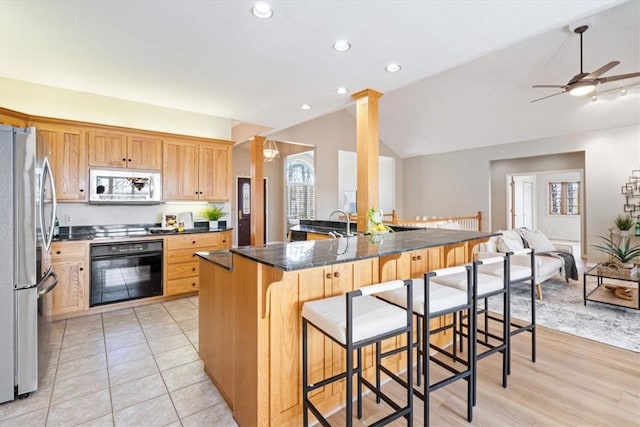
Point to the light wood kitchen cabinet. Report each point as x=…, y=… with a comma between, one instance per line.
x=120, y=150
x=12, y=118
x=181, y=264
x=70, y=262
x=196, y=171
x=65, y=148
x=214, y=172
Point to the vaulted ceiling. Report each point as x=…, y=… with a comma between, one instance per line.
x=467, y=66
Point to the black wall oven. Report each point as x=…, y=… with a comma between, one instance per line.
x=125, y=271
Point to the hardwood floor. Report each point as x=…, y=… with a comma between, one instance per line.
x=574, y=381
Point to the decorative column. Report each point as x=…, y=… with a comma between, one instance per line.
x=367, y=153
x=257, y=191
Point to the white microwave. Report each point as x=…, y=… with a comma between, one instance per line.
x=125, y=186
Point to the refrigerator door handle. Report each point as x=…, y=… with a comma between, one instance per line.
x=49, y=274
x=47, y=235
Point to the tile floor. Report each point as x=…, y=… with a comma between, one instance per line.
x=131, y=367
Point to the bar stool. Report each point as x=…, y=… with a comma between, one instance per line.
x=518, y=274
x=432, y=300
x=486, y=286
x=354, y=321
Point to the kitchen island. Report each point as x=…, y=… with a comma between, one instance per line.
x=250, y=302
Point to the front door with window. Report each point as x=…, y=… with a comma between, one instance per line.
x=244, y=211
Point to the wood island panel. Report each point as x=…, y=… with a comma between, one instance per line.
x=266, y=328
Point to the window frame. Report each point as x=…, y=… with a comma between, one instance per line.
x=564, y=198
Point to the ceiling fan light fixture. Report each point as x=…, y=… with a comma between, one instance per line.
x=582, y=89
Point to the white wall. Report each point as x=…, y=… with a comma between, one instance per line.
x=560, y=227
x=458, y=182
x=347, y=179
x=47, y=101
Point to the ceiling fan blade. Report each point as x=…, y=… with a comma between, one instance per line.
x=548, y=96
x=619, y=77
x=619, y=88
x=600, y=71
x=554, y=86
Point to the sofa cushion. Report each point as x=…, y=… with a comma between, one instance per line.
x=509, y=241
x=538, y=241
x=546, y=266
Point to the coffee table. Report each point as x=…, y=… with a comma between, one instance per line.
x=605, y=296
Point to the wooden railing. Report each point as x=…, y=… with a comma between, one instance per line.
x=469, y=223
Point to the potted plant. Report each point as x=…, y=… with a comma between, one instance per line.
x=624, y=224
x=620, y=250
x=213, y=214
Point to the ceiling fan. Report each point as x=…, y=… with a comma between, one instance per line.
x=585, y=83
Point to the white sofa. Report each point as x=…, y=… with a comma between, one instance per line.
x=546, y=266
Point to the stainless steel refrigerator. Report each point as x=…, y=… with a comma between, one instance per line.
x=27, y=215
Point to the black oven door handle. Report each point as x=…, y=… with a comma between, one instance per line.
x=125, y=256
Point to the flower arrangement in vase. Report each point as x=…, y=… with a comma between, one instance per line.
x=374, y=222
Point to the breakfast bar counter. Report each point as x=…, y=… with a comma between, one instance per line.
x=250, y=302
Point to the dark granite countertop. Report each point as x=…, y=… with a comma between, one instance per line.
x=316, y=253
x=105, y=232
x=221, y=258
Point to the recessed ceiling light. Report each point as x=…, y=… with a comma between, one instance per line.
x=262, y=11
x=342, y=45
x=342, y=90
x=392, y=68
x=305, y=107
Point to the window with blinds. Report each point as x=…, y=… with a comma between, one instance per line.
x=301, y=192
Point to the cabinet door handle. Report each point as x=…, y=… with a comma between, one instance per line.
x=193, y=284
x=193, y=269
x=81, y=269
x=58, y=252
x=336, y=274
x=413, y=258
x=82, y=190
x=419, y=257
x=194, y=242
x=124, y=160
x=328, y=275
x=129, y=159
x=201, y=192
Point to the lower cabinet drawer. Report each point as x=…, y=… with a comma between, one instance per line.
x=181, y=256
x=180, y=286
x=183, y=270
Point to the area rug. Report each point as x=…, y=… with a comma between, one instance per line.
x=563, y=309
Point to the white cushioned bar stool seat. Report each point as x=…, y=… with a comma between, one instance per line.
x=371, y=316
x=353, y=321
x=443, y=298
x=485, y=283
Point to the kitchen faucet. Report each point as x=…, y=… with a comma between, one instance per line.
x=346, y=215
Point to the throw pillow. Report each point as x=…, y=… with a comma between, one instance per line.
x=506, y=244
x=538, y=241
